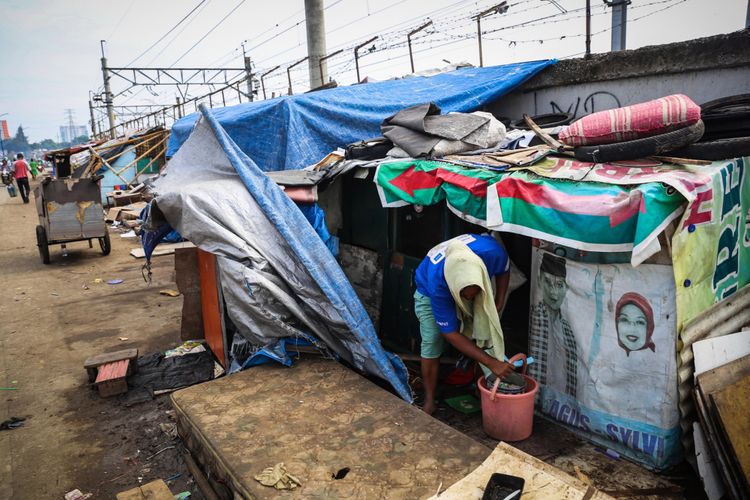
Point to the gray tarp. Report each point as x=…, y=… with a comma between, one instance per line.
x=277, y=276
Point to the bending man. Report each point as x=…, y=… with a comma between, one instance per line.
x=454, y=302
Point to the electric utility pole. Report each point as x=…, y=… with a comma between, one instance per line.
x=316, y=42
x=108, y=97
x=248, y=73
x=619, y=22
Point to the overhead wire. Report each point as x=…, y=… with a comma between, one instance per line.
x=209, y=32
x=167, y=33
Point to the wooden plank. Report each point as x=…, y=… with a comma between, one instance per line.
x=163, y=249
x=210, y=306
x=109, y=357
x=714, y=442
x=733, y=407
x=114, y=370
x=718, y=378
x=155, y=490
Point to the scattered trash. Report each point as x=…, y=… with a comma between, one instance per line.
x=172, y=478
x=8, y=388
x=77, y=495
x=85, y=286
x=123, y=338
x=115, y=282
x=54, y=294
x=12, y=423
x=610, y=453
x=159, y=452
x=170, y=430
x=465, y=403
x=129, y=234
x=188, y=347
x=170, y=293
x=183, y=495
x=278, y=477
x=98, y=281
x=14, y=381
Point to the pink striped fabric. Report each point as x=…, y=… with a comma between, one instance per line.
x=632, y=122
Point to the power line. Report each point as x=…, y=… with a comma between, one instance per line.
x=209, y=32
x=167, y=33
x=177, y=35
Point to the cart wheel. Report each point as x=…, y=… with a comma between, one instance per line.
x=105, y=244
x=41, y=241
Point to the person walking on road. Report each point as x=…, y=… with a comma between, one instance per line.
x=21, y=173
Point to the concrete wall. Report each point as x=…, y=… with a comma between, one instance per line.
x=584, y=98
x=703, y=69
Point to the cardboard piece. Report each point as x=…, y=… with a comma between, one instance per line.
x=542, y=480
x=163, y=249
x=155, y=490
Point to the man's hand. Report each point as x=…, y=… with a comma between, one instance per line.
x=500, y=368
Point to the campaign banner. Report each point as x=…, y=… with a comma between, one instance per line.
x=584, y=215
x=686, y=179
x=711, y=247
x=604, y=340
x=426, y=182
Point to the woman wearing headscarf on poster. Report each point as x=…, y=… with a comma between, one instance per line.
x=634, y=322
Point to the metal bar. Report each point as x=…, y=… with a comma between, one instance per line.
x=408, y=39
x=588, y=28
x=262, y=83
x=289, y=74
x=323, y=59
x=356, y=54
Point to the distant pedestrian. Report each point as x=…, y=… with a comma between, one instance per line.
x=34, y=166
x=21, y=173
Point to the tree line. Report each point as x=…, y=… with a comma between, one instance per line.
x=20, y=143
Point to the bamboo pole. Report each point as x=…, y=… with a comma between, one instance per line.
x=108, y=165
x=142, y=155
x=138, y=173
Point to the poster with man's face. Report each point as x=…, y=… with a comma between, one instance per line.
x=603, y=337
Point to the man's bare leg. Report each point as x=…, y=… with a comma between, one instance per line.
x=430, y=369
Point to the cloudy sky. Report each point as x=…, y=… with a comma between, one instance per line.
x=51, y=48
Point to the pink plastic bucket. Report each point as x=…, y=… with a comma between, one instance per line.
x=509, y=417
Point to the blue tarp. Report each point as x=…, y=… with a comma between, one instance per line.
x=292, y=132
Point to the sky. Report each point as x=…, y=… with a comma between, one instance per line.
x=51, y=48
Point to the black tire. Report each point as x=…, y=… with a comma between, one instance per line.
x=545, y=121
x=105, y=244
x=732, y=103
x=641, y=148
x=721, y=149
x=41, y=242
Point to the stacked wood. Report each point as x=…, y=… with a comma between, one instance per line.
x=722, y=397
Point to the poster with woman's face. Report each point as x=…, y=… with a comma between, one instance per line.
x=610, y=366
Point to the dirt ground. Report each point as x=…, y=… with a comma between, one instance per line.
x=52, y=318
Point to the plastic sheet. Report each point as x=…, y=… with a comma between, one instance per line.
x=292, y=132
x=278, y=278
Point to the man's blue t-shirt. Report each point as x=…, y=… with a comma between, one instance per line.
x=430, y=275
